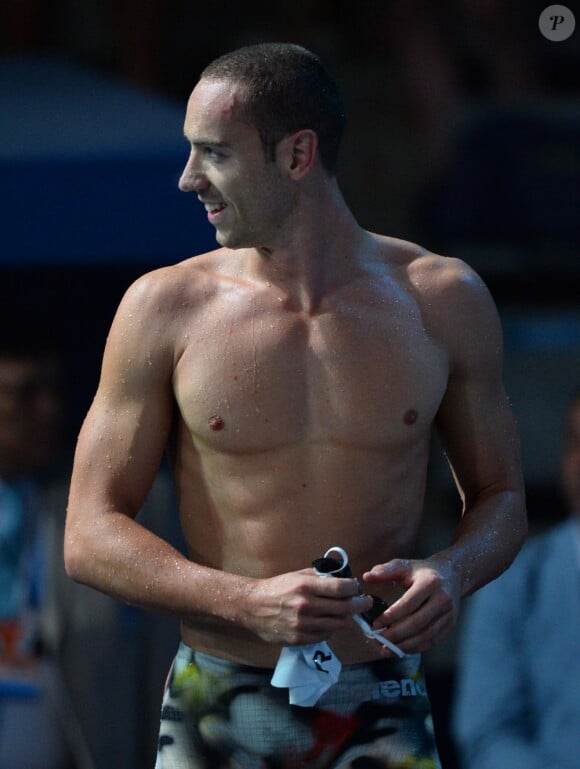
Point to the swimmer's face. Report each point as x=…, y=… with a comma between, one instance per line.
x=246, y=195
x=30, y=413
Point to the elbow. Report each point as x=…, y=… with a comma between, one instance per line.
x=523, y=530
x=72, y=562
x=520, y=518
x=75, y=557
x=516, y=529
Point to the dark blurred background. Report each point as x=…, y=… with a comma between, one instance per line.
x=463, y=134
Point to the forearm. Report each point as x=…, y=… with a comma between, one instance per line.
x=491, y=531
x=118, y=556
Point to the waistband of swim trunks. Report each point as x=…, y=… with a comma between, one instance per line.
x=383, y=668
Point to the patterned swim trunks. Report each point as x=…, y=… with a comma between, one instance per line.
x=218, y=714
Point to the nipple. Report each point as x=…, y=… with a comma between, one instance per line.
x=216, y=423
x=410, y=417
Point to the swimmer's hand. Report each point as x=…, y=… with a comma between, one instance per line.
x=300, y=608
x=428, y=609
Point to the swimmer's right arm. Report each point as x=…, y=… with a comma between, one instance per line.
x=118, y=453
x=117, y=457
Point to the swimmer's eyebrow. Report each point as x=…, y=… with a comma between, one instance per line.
x=207, y=143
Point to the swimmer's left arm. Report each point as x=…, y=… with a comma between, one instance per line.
x=481, y=442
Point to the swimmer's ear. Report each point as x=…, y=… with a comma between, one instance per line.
x=297, y=152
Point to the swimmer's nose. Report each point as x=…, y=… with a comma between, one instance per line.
x=192, y=179
x=192, y=182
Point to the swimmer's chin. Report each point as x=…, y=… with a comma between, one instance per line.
x=237, y=244
x=230, y=241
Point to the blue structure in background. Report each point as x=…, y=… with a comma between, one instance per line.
x=89, y=169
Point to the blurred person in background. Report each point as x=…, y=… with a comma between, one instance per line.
x=31, y=730
x=458, y=50
x=80, y=674
x=518, y=695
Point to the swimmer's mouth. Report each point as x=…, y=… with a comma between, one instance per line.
x=214, y=208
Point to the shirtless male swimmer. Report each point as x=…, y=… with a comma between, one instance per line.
x=295, y=376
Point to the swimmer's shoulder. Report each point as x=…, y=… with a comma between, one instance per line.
x=158, y=310
x=173, y=288
x=430, y=276
x=452, y=296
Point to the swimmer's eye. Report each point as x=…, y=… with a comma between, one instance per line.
x=213, y=154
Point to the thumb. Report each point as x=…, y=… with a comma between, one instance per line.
x=396, y=570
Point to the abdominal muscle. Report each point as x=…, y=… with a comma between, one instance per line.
x=265, y=514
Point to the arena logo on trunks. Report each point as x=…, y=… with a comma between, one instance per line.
x=406, y=687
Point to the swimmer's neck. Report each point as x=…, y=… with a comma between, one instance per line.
x=322, y=247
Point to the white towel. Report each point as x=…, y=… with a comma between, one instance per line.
x=307, y=672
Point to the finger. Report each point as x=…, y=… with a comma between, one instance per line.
x=427, y=638
x=425, y=617
x=397, y=570
x=335, y=587
x=415, y=597
x=406, y=605
x=307, y=635
x=313, y=628
x=361, y=604
x=337, y=607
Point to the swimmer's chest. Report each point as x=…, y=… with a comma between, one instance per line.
x=256, y=381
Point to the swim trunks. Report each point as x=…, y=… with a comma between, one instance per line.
x=218, y=714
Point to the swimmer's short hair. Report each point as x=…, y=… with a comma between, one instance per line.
x=286, y=89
